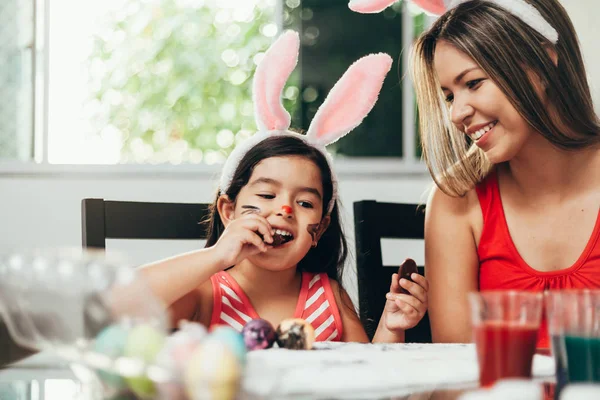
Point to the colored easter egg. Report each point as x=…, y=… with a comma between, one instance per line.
x=213, y=372
x=144, y=342
x=232, y=338
x=179, y=346
x=175, y=355
x=295, y=334
x=258, y=334
x=111, y=342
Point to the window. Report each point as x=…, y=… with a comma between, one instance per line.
x=17, y=80
x=169, y=81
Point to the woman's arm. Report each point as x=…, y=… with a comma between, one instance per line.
x=353, y=329
x=451, y=264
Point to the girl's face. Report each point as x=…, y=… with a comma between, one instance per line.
x=478, y=107
x=288, y=191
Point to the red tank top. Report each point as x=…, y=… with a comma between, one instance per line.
x=316, y=305
x=501, y=266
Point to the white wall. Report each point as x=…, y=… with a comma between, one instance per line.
x=584, y=14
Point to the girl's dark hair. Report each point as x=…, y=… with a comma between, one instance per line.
x=330, y=255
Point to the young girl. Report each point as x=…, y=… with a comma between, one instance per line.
x=512, y=140
x=276, y=248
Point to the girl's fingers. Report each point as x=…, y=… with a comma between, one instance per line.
x=254, y=240
x=395, y=286
x=406, y=298
x=415, y=289
x=406, y=308
x=258, y=224
x=421, y=281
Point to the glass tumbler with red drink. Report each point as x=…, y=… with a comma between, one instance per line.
x=505, y=330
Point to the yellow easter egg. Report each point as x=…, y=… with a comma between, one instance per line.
x=213, y=371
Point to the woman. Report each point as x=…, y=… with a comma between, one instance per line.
x=511, y=139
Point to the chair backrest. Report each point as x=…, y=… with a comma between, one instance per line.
x=372, y=222
x=103, y=219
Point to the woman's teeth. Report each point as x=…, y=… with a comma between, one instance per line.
x=478, y=134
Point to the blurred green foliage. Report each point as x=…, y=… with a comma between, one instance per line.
x=174, y=77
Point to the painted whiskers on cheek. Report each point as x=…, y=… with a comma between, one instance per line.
x=248, y=209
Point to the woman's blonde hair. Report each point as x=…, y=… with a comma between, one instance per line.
x=510, y=52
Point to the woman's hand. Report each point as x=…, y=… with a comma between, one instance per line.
x=242, y=238
x=404, y=311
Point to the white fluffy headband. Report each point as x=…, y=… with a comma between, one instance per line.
x=346, y=105
x=520, y=8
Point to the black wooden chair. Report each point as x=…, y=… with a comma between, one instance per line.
x=103, y=219
x=372, y=222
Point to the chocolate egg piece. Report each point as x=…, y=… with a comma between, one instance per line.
x=258, y=334
x=295, y=334
x=407, y=268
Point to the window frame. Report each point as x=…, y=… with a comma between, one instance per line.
x=407, y=165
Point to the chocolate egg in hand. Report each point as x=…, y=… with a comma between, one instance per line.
x=258, y=334
x=295, y=334
x=407, y=268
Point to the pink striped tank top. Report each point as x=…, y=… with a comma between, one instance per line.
x=316, y=305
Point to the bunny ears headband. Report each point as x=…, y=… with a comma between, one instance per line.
x=347, y=104
x=520, y=8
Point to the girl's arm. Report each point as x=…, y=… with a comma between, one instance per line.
x=182, y=280
x=173, y=278
x=451, y=264
x=353, y=330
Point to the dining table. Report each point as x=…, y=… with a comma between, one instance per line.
x=331, y=370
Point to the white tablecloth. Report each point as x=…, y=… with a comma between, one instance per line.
x=354, y=370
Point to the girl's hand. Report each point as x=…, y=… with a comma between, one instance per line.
x=241, y=239
x=404, y=311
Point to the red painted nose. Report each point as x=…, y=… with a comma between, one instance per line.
x=286, y=209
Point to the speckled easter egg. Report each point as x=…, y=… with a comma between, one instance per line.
x=111, y=342
x=213, y=372
x=295, y=334
x=179, y=346
x=143, y=342
x=258, y=334
x=175, y=355
x=232, y=339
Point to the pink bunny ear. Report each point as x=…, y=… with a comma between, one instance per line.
x=350, y=100
x=370, y=6
x=436, y=7
x=269, y=79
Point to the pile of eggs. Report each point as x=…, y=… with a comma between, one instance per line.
x=200, y=364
